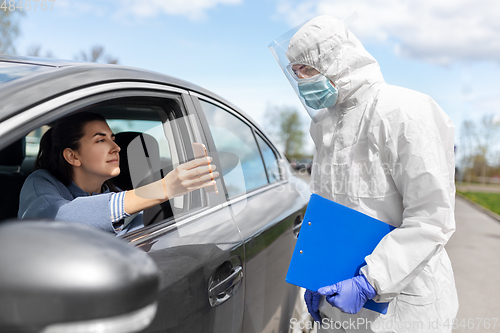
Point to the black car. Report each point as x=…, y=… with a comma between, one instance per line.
x=220, y=260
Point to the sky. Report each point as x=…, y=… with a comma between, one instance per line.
x=448, y=49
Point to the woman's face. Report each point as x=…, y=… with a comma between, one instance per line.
x=98, y=152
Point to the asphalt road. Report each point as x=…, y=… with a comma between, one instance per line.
x=474, y=250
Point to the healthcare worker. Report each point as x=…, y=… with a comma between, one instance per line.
x=387, y=152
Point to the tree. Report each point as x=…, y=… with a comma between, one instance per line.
x=286, y=125
x=478, y=148
x=35, y=50
x=9, y=30
x=489, y=133
x=468, y=143
x=96, y=54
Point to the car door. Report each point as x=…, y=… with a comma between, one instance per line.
x=266, y=208
x=193, y=239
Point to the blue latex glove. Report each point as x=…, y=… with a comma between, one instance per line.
x=312, y=301
x=349, y=295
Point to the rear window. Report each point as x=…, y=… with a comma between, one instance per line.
x=10, y=71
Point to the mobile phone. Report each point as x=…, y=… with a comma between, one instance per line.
x=200, y=150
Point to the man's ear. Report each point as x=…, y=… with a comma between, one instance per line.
x=71, y=157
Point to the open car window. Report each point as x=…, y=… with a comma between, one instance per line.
x=155, y=136
x=234, y=136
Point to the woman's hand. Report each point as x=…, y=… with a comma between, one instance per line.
x=189, y=176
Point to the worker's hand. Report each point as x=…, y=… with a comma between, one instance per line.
x=349, y=295
x=312, y=301
x=190, y=176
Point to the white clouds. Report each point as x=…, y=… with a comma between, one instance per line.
x=123, y=9
x=440, y=31
x=193, y=9
x=76, y=8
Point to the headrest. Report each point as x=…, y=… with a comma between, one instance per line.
x=13, y=155
x=139, y=159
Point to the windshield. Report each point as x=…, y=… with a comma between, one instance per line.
x=10, y=71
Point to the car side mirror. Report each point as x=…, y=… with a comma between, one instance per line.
x=65, y=277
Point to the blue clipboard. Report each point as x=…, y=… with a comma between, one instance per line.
x=332, y=245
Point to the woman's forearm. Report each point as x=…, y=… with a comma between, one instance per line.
x=183, y=179
x=135, y=202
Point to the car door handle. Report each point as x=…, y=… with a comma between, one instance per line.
x=222, y=287
x=297, y=224
x=296, y=229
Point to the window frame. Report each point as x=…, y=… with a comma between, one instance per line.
x=256, y=134
x=50, y=110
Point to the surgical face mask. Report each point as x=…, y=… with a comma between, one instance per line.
x=318, y=92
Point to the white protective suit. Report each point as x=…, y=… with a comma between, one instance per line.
x=388, y=152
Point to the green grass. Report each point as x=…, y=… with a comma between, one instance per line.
x=488, y=200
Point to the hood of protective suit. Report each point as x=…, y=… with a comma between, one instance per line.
x=327, y=45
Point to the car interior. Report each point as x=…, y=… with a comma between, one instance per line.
x=151, y=133
x=14, y=168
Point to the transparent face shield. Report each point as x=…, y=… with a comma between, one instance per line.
x=278, y=48
x=314, y=90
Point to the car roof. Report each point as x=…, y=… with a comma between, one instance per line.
x=60, y=76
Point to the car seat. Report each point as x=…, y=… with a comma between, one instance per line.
x=140, y=165
x=11, y=178
x=139, y=160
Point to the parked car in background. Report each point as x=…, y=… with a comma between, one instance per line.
x=221, y=259
x=309, y=167
x=303, y=164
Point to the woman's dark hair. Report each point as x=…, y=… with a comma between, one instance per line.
x=66, y=133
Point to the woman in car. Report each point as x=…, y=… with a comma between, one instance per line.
x=76, y=160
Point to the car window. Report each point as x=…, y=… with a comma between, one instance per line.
x=165, y=143
x=152, y=128
x=154, y=135
x=233, y=136
x=270, y=161
x=33, y=141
